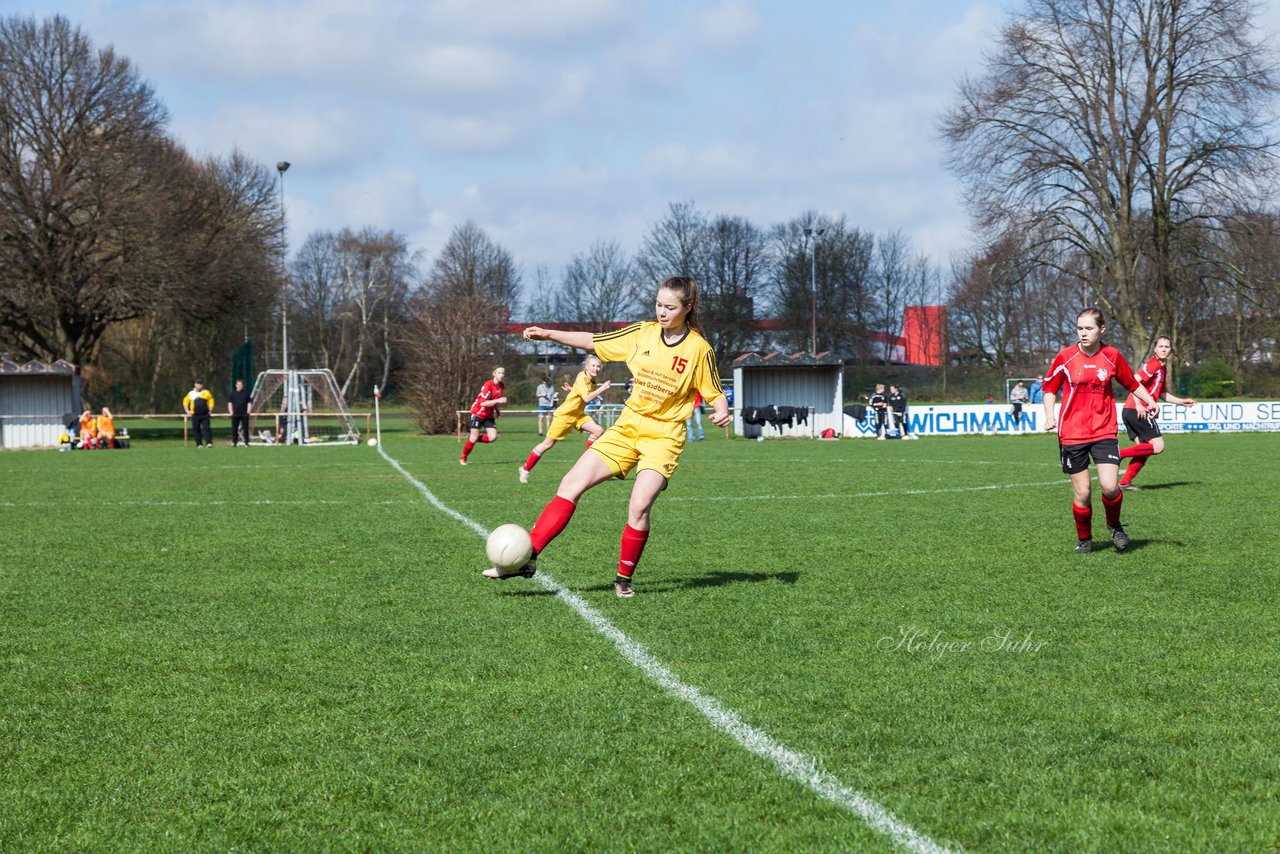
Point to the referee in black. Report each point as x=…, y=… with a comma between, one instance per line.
x=240, y=407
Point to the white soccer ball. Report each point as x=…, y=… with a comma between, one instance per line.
x=373, y=443
x=509, y=547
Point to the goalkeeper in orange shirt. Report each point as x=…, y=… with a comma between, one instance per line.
x=572, y=414
x=671, y=363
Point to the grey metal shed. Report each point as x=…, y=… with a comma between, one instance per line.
x=815, y=383
x=33, y=400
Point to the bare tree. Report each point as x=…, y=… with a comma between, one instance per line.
x=672, y=247
x=371, y=268
x=456, y=328
x=822, y=282
x=1242, y=316
x=596, y=287
x=1108, y=125
x=472, y=263
x=543, y=296
x=316, y=300
x=733, y=265
x=898, y=272
x=111, y=236
x=80, y=140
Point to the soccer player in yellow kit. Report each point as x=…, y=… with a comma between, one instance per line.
x=572, y=414
x=671, y=362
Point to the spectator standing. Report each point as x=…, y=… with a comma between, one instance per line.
x=898, y=403
x=880, y=409
x=546, y=403
x=1019, y=397
x=695, y=419
x=199, y=405
x=240, y=407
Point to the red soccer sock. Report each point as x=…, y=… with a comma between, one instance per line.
x=589, y=441
x=466, y=449
x=551, y=521
x=534, y=456
x=1131, y=471
x=1084, y=520
x=1142, y=449
x=1112, y=508
x=632, y=547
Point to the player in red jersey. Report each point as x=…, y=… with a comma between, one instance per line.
x=1088, y=427
x=671, y=363
x=1139, y=420
x=484, y=413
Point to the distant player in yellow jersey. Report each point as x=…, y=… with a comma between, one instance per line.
x=572, y=414
x=671, y=362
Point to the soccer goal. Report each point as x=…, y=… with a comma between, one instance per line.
x=297, y=407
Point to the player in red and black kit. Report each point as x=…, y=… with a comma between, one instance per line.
x=1141, y=421
x=484, y=413
x=1088, y=427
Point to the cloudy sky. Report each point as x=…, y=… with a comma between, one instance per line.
x=556, y=123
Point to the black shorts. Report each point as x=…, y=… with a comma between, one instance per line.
x=1140, y=429
x=1075, y=458
x=478, y=423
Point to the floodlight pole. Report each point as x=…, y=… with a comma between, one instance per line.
x=813, y=289
x=282, y=167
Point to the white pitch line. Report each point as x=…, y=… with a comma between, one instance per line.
x=793, y=765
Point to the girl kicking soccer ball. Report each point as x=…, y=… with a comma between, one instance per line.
x=671, y=363
x=1086, y=370
x=572, y=414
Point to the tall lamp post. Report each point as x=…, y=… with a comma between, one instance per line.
x=282, y=167
x=813, y=288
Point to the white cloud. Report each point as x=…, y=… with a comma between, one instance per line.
x=556, y=123
x=325, y=137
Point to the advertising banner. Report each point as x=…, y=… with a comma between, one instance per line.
x=990, y=419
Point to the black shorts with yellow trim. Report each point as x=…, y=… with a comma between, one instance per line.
x=639, y=442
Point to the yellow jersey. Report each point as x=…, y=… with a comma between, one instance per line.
x=198, y=402
x=667, y=376
x=575, y=403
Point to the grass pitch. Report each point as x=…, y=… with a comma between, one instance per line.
x=290, y=649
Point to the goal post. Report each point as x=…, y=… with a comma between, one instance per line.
x=300, y=407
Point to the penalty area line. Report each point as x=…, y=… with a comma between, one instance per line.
x=793, y=765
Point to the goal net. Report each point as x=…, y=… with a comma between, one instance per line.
x=300, y=408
